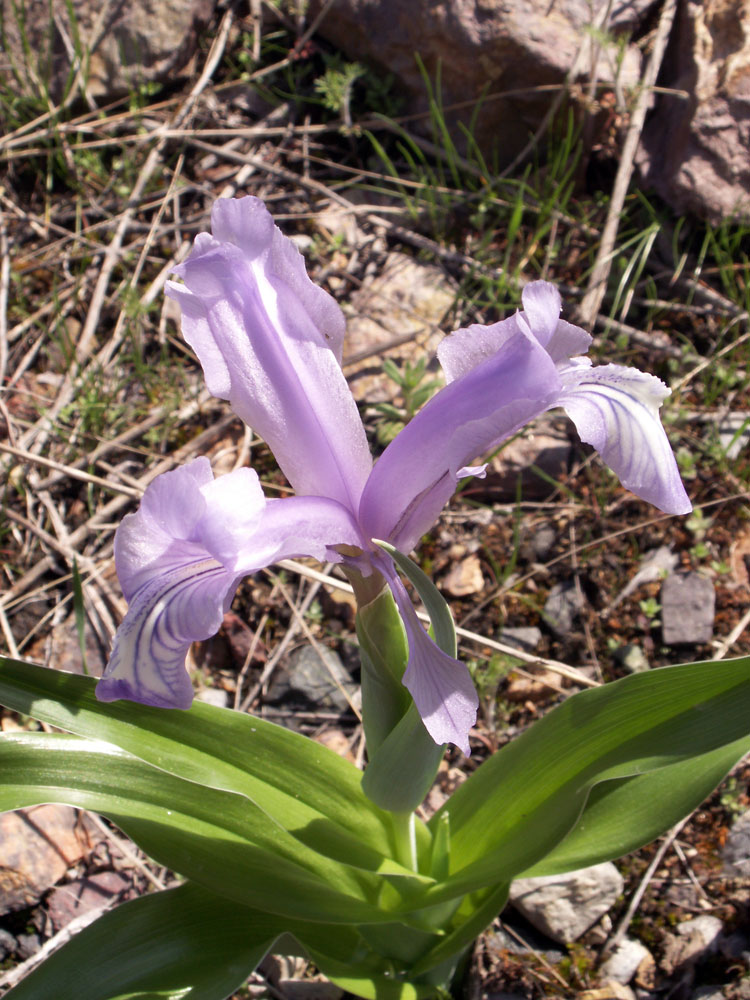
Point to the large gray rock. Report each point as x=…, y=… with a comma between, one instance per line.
x=126, y=42
x=491, y=46
x=565, y=906
x=695, y=151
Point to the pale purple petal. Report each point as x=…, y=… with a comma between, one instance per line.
x=616, y=410
x=541, y=313
x=440, y=685
x=181, y=556
x=269, y=341
x=465, y=349
x=417, y=473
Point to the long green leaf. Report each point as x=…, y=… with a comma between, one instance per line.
x=520, y=805
x=298, y=783
x=189, y=944
x=182, y=944
x=623, y=814
x=219, y=839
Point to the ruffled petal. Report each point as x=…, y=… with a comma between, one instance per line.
x=616, y=409
x=440, y=685
x=417, y=473
x=180, y=558
x=270, y=341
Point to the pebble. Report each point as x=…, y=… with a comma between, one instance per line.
x=464, y=578
x=623, y=963
x=736, y=850
x=562, y=607
x=318, y=674
x=524, y=637
x=687, y=616
x=632, y=658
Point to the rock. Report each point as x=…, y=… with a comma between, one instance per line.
x=27, y=945
x=540, y=545
x=524, y=637
x=402, y=312
x=623, y=964
x=694, y=150
x=126, y=44
x=7, y=944
x=632, y=658
x=736, y=850
x=484, y=47
x=37, y=846
x=687, y=616
x=695, y=939
x=703, y=928
x=84, y=895
x=565, y=906
x=214, y=696
x=562, y=607
x=318, y=674
x=464, y=578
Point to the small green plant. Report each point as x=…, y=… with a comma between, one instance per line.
x=651, y=609
x=416, y=388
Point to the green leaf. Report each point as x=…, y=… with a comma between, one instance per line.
x=623, y=814
x=220, y=839
x=409, y=752
x=306, y=788
x=182, y=944
x=189, y=944
x=518, y=807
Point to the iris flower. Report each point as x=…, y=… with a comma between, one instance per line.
x=270, y=343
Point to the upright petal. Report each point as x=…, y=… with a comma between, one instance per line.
x=616, y=410
x=180, y=558
x=440, y=685
x=511, y=381
x=270, y=341
x=541, y=313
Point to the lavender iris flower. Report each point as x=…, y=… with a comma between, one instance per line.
x=270, y=342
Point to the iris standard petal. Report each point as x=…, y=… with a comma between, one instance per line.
x=541, y=315
x=616, y=410
x=269, y=341
x=417, y=473
x=440, y=685
x=181, y=556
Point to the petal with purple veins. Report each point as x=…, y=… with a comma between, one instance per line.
x=180, y=558
x=616, y=409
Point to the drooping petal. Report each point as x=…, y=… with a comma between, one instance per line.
x=616, y=409
x=417, y=473
x=269, y=341
x=440, y=685
x=180, y=558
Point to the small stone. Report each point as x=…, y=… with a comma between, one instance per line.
x=562, y=607
x=540, y=544
x=632, y=658
x=687, y=602
x=213, y=696
x=736, y=850
x=27, y=945
x=7, y=944
x=525, y=638
x=564, y=906
x=318, y=674
x=464, y=578
x=705, y=927
x=623, y=963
